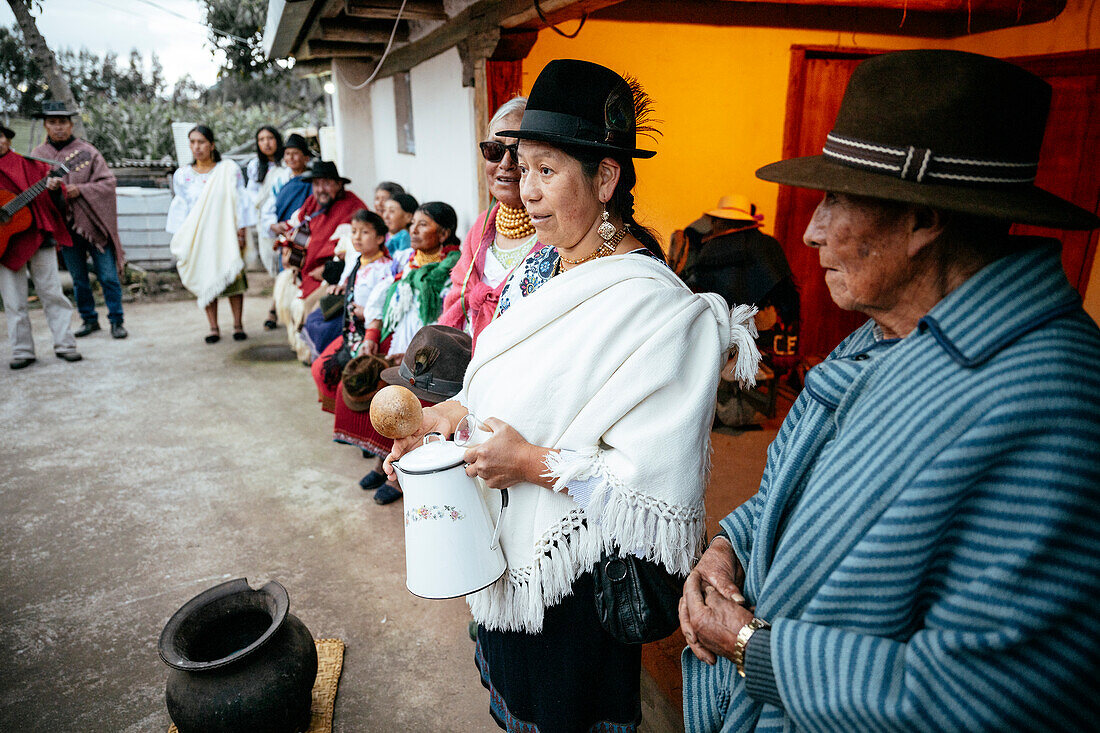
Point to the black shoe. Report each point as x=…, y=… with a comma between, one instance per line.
x=213, y=337
x=89, y=327
x=372, y=481
x=368, y=454
x=70, y=355
x=387, y=495
x=271, y=324
x=239, y=335
x=118, y=331
x=22, y=363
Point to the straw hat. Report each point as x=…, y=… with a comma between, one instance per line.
x=950, y=130
x=736, y=206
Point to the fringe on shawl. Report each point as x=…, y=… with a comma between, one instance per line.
x=208, y=294
x=616, y=516
x=743, y=335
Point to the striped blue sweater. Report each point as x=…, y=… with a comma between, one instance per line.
x=926, y=537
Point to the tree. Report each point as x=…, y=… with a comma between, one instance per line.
x=244, y=19
x=43, y=56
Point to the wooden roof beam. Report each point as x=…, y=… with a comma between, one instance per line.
x=314, y=48
x=414, y=9
x=359, y=30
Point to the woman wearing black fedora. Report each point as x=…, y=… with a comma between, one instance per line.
x=597, y=380
x=922, y=552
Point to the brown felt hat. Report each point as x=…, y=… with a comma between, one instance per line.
x=946, y=129
x=360, y=381
x=434, y=364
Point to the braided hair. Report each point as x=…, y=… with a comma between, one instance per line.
x=621, y=204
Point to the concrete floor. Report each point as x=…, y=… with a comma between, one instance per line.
x=160, y=466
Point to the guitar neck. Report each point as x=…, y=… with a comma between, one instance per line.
x=25, y=198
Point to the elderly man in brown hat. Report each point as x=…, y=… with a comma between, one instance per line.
x=922, y=552
x=90, y=210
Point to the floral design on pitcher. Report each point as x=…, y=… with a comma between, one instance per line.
x=424, y=512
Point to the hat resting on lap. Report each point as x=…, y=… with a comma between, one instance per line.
x=951, y=130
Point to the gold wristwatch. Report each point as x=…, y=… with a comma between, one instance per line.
x=742, y=642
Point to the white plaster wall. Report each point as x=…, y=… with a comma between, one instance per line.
x=444, y=167
x=351, y=110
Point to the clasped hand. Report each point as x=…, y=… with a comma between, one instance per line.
x=711, y=610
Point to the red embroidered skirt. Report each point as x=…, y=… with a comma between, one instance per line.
x=325, y=395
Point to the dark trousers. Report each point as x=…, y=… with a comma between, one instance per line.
x=106, y=269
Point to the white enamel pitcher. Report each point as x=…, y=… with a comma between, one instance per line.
x=452, y=547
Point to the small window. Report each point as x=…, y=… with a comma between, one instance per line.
x=402, y=102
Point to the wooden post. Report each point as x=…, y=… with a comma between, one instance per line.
x=474, y=51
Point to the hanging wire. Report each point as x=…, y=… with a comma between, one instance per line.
x=389, y=45
x=217, y=31
x=554, y=28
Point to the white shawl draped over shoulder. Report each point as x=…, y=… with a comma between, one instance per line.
x=617, y=362
x=205, y=246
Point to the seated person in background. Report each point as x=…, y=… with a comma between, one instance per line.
x=398, y=212
x=329, y=206
x=415, y=298
x=338, y=339
x=733, y=258
x=436, y=362
x=385, y=191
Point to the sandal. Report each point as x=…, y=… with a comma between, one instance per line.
x=213, y=337
x=271, y=323
x=239, y=334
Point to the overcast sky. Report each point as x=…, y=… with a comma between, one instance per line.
x=121, y=25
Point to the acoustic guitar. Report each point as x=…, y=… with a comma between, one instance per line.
x=14, y=216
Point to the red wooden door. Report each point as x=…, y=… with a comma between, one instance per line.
x=817, y=82
x=1069, y=163
x=1069, y=166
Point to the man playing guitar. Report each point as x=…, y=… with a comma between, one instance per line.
x=31, y=252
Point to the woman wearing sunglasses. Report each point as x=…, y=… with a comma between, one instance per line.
x=596, y=386
x=501, y=237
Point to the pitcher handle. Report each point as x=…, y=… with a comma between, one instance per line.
x=428, y=438
x=500, y=517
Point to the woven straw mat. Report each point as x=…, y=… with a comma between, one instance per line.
x=330, y=662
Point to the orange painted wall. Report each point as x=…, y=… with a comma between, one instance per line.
x=721, y=93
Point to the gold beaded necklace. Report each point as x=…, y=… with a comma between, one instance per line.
x=513, y=223
x=605, y=249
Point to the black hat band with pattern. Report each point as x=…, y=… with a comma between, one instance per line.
x=922, y=165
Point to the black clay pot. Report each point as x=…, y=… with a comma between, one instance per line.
x=240, y=662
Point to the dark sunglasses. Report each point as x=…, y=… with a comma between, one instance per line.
x=494, y=151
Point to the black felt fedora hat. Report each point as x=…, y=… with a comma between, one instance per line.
x=951, y=130
x=434, y=364
x=583, y=104
x=294, y=140
x=8, y=132
x=323, y=169
x=52, y=108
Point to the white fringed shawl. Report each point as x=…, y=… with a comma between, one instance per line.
x=205, y=247
x=618, y=361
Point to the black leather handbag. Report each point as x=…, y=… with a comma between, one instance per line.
x=637, y=601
